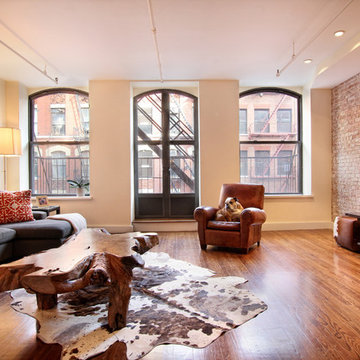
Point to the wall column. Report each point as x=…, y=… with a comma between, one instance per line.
x=219, y=137
x=110, y=154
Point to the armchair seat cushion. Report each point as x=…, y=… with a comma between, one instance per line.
x=224, y=225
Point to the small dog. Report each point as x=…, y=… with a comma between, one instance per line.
x=231, y=211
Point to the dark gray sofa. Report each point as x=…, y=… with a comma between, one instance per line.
x=29, y=237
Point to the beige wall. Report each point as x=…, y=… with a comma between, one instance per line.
x=15, y=103
x=111, y=147
x=219, y=137
x=110, y=159
x=312, y=211
x=2, y=103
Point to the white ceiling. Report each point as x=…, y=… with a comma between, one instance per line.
x=247, y=40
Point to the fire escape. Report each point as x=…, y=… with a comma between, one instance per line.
x=266, y=170
x=181, y=128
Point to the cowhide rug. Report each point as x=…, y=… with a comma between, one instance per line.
x=172, y=302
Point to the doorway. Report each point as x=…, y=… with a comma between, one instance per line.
x=166, y=154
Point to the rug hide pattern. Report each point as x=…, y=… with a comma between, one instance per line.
x=172, y=301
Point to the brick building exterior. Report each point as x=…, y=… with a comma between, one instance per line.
x=346, y=147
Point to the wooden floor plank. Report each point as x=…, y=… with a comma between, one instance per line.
x=310, y=285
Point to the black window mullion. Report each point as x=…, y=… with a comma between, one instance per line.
x=166, y=150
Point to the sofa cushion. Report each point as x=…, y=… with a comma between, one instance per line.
x=15, y=206
x=41, y=229
x=6, y=235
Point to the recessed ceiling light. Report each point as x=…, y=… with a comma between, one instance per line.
x=307, y=61
x=339, y=33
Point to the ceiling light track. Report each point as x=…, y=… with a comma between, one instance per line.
x=44, y=72
x=294, y=56
x=154, y=32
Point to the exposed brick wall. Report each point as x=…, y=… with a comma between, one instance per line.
x=345, y=107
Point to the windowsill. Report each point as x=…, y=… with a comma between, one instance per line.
x=64, y=198
x=289, y=196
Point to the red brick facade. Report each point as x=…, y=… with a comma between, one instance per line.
x=346, y=147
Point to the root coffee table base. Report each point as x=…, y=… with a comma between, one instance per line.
x=93, y=257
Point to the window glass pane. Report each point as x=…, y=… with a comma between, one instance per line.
x=243, y=121
x=150, y=178
x=145, y=164
x=55, y=164
x=85, y=165
x=243, y=163
x=61, y=114
x=181, y=125
x=35, y=121
x=284, y=118
x=262, y=163
x=149, y=117
x=182, y=172
x=85, y=119
x=58, y=165
x=261, y=121
x=57, y=121
x=270, y=116
x=284, y=162
x=276, y=166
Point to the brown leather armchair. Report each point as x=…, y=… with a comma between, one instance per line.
x=241, y=235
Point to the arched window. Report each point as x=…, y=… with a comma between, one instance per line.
x=165, y=157
x=270, y=140
x=59, y=140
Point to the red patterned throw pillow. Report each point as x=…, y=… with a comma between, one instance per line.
x=15, y=206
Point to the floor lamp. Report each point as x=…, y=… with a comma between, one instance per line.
x=10, y=145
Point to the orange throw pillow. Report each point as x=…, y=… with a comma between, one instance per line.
x=15, y=206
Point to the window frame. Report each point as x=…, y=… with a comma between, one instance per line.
x=59, y=141
x=168, y=138
x=298, y=142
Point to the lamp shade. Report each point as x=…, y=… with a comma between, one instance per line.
x=10, y=141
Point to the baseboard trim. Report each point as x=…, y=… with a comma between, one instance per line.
x=191, y=225
x=309, y=225
x=165, y=225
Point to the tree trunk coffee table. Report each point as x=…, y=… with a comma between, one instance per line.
x=92, y=257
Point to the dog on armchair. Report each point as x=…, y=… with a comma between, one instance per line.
x=231, y=210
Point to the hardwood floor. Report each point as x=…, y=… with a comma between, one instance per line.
x=311, y=287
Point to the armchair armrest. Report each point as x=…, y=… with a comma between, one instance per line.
x=204, y=213
x=252, y=216
x=251, y=220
